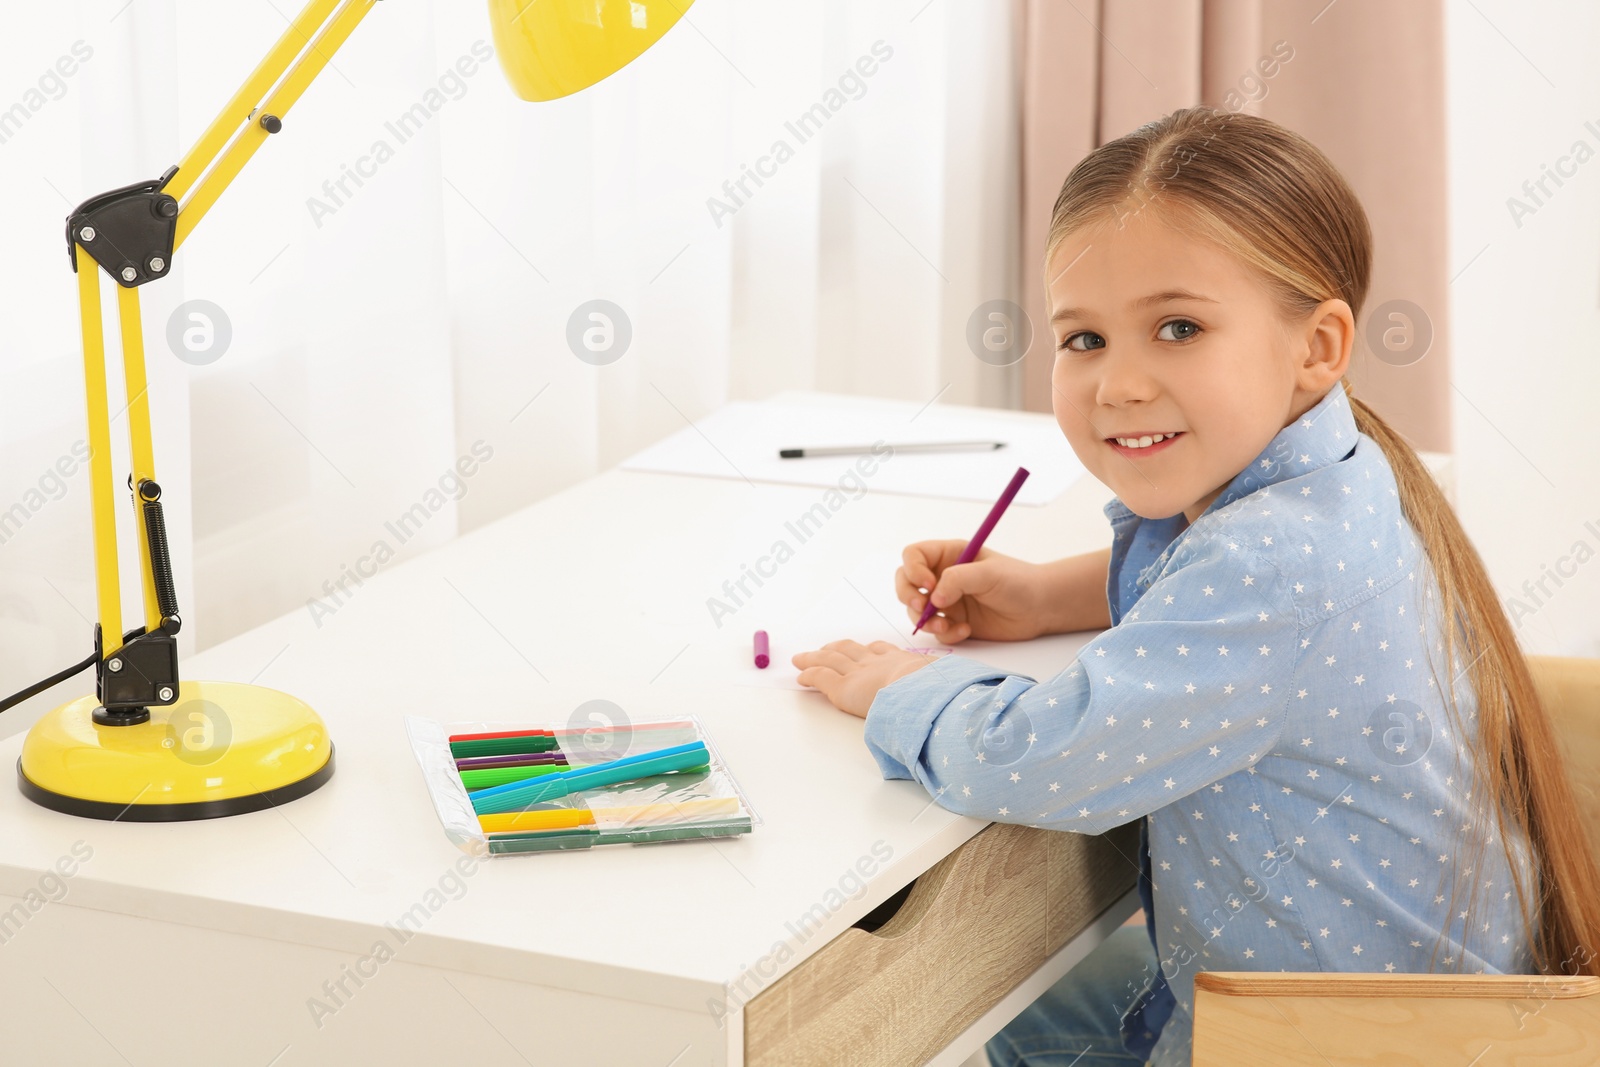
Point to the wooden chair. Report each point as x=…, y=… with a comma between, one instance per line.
x=1251, y=1018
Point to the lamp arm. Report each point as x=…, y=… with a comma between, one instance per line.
x=308, y=64
x=132, y=233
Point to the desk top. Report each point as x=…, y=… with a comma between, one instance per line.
x=596, y=592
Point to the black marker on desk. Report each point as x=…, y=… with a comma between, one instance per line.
x=856, y=450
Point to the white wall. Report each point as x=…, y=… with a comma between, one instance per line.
x=1524, y=90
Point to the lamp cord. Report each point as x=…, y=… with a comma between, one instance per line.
x=55, y=679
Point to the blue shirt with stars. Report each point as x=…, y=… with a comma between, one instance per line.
x=1270, y=703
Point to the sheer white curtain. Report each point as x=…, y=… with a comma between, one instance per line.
x=766, y=214
x=777, y=196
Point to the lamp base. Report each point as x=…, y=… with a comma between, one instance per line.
x=222, y=749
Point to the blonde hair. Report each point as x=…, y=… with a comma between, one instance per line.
x=1269, y=196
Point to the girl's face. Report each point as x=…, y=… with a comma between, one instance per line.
x=1157, y=333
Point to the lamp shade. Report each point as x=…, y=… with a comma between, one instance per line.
x=554, y=48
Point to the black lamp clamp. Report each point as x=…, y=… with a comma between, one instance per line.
x=129, y=231
x=142, y=674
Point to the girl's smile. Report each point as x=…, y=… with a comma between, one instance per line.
x=1140, y=446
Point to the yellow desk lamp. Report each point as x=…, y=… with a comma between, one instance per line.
x=149, y=747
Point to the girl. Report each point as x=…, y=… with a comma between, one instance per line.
x=1327, y=777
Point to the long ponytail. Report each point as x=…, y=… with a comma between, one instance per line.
x=1516, y=751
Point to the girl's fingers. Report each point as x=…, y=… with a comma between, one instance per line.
x=956, y=612
x=924, y=561
x=825, y=657
x=916, y=563
x=915, y=606
x=943, y=619
x=823, y=679
x=950, y=596
x=913, y=591
x=934, y=555
x=853, y=649
x=953, y=633
x=905, y=590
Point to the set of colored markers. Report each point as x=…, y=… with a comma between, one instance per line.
x=545, y=788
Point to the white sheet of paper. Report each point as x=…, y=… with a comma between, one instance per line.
x=862, y=607
x=742, y=440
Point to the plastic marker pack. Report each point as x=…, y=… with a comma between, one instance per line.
x=503, y=788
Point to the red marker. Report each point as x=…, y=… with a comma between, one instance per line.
x=763, y=653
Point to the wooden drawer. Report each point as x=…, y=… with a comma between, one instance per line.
x=973, y=928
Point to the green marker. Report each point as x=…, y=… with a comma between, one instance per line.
x=502, y=746
x=485, y=777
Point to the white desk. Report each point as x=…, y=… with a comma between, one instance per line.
x=205, y=943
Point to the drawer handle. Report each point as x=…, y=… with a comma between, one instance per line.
x=877, y=917
x=906, y=908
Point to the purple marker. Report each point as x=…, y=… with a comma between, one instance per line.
x=970, y=553
x=515, y=760
x=763, y=653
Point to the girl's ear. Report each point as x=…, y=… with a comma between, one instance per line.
x=1329, y=334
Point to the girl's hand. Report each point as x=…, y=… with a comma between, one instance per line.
x=850, y=674
x=993, y=598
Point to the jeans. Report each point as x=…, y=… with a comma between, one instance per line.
x=1077, y=1021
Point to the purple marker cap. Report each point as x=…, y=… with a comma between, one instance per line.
x=763, y=653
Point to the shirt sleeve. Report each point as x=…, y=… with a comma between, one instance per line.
x=1193, y=685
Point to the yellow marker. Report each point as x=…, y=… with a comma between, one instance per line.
x=640, y=814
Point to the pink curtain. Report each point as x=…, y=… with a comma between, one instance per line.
x=1365, y=83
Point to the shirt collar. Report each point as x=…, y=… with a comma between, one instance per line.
x=1321, y=437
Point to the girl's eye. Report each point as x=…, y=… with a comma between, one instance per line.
x=1067, y=342
x=1193, y=329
